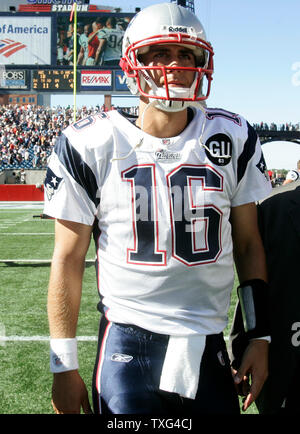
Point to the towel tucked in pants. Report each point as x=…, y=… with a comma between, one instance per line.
x=128, y=371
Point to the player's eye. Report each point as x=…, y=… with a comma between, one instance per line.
x=160, y=55
x=187, y=56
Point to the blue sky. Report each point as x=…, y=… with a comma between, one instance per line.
x=257, y=63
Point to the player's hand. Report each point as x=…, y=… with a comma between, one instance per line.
x=243, y=387
x=69, y=394
x=254, y=364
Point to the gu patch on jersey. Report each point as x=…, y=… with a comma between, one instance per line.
x=218, y=149
x=51, y=183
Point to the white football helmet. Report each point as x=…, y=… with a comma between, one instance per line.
x=167, y=23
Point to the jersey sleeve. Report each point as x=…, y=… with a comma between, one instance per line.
x=70, y=186
x=102, y=34
x=253, y=182
x=292, y=175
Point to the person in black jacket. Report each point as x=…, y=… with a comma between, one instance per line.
x=279, y=223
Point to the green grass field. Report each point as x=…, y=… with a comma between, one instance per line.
x=26, y=245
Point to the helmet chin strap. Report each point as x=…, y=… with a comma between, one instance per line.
x=170, y=105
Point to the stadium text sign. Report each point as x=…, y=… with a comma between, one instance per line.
x=25, y=40
x=120, y=81
x=14, y=79
x=56, y=2
x=68, y=8
x=95, y=80
x=62, y=5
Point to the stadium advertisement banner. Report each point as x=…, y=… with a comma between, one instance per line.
x=96, y=80
x=120, y=81
x=57, y=2
x=14, y=78
x=25, y=40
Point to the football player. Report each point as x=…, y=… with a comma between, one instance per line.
x=292, y=175
x=169, y=197
x=110, y=43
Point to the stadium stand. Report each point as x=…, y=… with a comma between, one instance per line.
x=28, y=133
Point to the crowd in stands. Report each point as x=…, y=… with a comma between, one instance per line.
x=28, y=133
x=274, y=127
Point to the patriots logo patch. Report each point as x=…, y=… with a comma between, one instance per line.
x=51, y=183
x=262, y=167
x=167, y=156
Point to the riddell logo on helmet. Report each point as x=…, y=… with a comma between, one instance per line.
x=178, y=29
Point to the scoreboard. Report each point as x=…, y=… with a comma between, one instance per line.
x=36, y=50
x=58, y=79
x=52, y=80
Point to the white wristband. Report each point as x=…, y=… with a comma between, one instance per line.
x=263, y=338
x=63, y=355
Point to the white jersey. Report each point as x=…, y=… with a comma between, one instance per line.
x=83, y=42
x=113, y=46
x=293, y=175
x=161, y=208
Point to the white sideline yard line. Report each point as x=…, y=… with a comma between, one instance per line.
x=13, y=206
x=36, y=260
x=41, y=338
x=26, y=260
x=27, y=233
x=47, y=338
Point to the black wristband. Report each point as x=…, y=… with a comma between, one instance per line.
x=253, y=296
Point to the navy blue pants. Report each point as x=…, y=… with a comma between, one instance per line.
x=127, y=375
